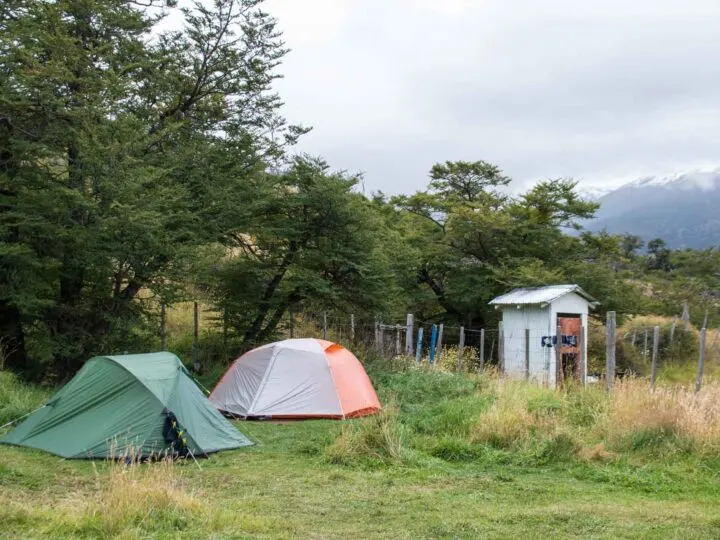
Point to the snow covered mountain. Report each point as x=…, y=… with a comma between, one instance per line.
x=683, y=210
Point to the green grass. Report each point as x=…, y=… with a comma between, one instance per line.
x=17, y=399
x=417, y=471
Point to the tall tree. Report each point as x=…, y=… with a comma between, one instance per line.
x=107, y=127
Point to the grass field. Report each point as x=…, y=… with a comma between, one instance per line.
x=451, y=457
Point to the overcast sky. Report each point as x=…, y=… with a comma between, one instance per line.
x=603, y=91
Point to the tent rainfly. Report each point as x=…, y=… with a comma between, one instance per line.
x=296, y=378
x=121, y=405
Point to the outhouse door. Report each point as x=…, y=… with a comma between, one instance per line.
x=571, y=350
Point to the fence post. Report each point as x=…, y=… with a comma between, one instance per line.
x=686, y=315
x=163, y=338
x=433, y=341
x=196, y=348
x=610, y=350
x=501, y=347
x=225, y=334
x=583, y=374
x=418, y=347
x=656, y=344
x=461, y=347
x=527, y=354
x=482, y=349
x=325, y=325
x=705, y=319
x=701, y=361
x=377, y=335
x=409, y=334
x=672, y=329
x=632, y=340
x=438, y=348
x=645, y=347
x=397, y=340
x=558, y=357
x=352, y=328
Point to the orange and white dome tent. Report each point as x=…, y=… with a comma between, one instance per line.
x=296, y=378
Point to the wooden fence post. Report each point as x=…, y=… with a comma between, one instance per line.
x=196, y=348
x=397, y=340
x=377, y=335
x=325, y=325
x=558, y=357
x=527, y=354
x=610, y=349
x=163, y=335
x=409, y=333
x=705, y=319
x=701, y=361
x=225, y=334
x=583, y=374
x=645, y=347
x=418, y=347
x=656, y=344
x=501, y=348
x=482, y=349
x=461, y=347
x=686, y=315
x=672, y=329
x=438, y=349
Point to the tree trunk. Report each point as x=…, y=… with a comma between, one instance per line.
x=426, y=278
x=264, y=308
x=12, y=339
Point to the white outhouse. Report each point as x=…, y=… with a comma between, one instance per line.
x=533, y=320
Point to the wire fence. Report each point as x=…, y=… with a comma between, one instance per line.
x=586, y=350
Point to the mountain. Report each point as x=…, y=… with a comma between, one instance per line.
x=683, y=210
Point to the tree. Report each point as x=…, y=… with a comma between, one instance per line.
x=472, y=241
x=658, y=255
x=311, y=240
x=105, y=133
x=630, y=244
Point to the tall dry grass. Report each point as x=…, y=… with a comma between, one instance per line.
x=675, y=411
x=137, y=495
x=633, y=418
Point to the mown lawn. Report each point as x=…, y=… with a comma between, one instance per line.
x=454, y=457
x=284, y=488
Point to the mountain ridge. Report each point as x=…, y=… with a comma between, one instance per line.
x=682, y=209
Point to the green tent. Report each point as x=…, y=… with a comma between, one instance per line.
x=116, y=405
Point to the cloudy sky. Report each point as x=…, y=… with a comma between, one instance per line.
x=602, y=91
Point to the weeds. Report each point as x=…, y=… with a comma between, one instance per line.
x=18, y=399
x=374, y=439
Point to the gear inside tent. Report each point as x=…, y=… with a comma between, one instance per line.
x=296, y=378
x=141, y=404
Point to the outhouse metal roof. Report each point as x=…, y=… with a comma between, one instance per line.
x=540, y=295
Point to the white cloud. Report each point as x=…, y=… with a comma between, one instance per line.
x=597, y=90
